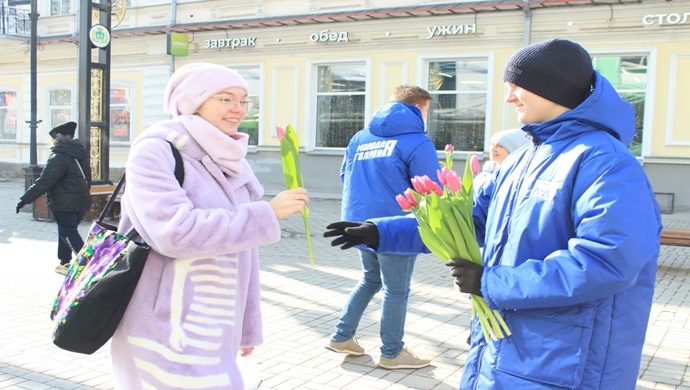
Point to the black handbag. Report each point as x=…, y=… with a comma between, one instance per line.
x=98, y=286
x=100, y=282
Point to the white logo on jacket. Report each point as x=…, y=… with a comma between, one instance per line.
x=544, y=189
x=375, y=149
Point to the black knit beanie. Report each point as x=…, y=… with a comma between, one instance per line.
x=66, y=128
x=558, y=70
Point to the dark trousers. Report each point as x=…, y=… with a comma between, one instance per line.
x=69, y=239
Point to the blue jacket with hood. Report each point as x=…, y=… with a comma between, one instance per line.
x=381, y=159
x=570, y=228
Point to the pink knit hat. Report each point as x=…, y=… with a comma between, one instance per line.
x=191, y=85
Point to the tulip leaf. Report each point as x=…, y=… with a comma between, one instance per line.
x=433, y=246
x=467, y=177
x=292, y=173
x=451, y=225
x=289, y=155
x=469, y=239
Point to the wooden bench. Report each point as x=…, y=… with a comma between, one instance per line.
x=102, y=189
x=100, y=195
x=677, y=237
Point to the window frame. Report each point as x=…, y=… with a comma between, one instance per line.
x=313, y=94
x=255, y=94
x=649, y=90
x=61, y=3
x=49, y=124
x=16, y=115
x=132, y=104
x=486, y=57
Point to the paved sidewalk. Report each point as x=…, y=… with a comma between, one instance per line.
x=301, y=305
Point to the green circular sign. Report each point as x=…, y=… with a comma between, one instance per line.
x=99, y=36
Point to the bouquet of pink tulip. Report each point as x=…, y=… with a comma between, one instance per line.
x=289, y=157
x=446, y=227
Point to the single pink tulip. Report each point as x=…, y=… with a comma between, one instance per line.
x=434, y=187
x=430, y=186
x=419, y=185
x=449, y=148
x=441, y=177
x=474, y=161
x=410, y=197
x=403, y=202
x=450, y=179
x=453, y=181
x=281, y=133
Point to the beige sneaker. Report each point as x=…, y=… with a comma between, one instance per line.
x=350, y=347
x=405, y=359
x=62, y=268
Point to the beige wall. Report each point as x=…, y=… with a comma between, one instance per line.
x=393, y=48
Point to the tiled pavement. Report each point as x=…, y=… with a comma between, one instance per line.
x=301, y=305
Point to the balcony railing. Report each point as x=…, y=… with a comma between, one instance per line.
x=14, y=21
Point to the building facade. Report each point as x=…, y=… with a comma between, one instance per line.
x=325, y=66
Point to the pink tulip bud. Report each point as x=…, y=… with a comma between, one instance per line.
x=430, y=185
x=449, y=148
x=450, y=179
x=433, y=186
x=410, y=197
x=403, y=202
x=441, y=177
x=443, y=174
x=474, y=161
x=419, y=185
x=453, y=181
x=281, y=133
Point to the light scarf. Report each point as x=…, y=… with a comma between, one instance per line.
x=226, y=151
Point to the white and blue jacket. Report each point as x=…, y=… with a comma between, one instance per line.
x=570, y=229
x=381, y=159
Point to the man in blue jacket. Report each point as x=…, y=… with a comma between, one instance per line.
x=379, y=163
x=570, y=229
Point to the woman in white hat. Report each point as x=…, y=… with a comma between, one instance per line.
x=503, y=144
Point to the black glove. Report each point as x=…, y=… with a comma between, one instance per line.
x=20, y=205
x=468, y=275
x=353, y=233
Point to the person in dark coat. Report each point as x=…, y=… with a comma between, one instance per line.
x=66, y=179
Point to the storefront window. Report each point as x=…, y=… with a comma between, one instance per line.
x=8, y=115
x=120, y=116
x=340, y=103
x=628, y=74
x=458, y=113
x=252, y=122
x=60, y=7
x=60, y=106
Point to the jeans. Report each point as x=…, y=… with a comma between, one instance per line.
x=69, y=239
x=392, y=273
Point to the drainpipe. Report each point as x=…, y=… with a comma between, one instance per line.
x=173, y=22
x=528, y=23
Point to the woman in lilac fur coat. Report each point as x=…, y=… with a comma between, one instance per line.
x=197, y=304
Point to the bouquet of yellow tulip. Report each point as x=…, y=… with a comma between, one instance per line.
x=289, y=151
x=446, y=227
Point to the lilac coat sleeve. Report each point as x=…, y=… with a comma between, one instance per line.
x=201, y=219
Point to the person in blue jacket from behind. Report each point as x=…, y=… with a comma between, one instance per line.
x=570, y=229
x=379, y=163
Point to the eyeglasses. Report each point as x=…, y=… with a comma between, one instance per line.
x=231, y=102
